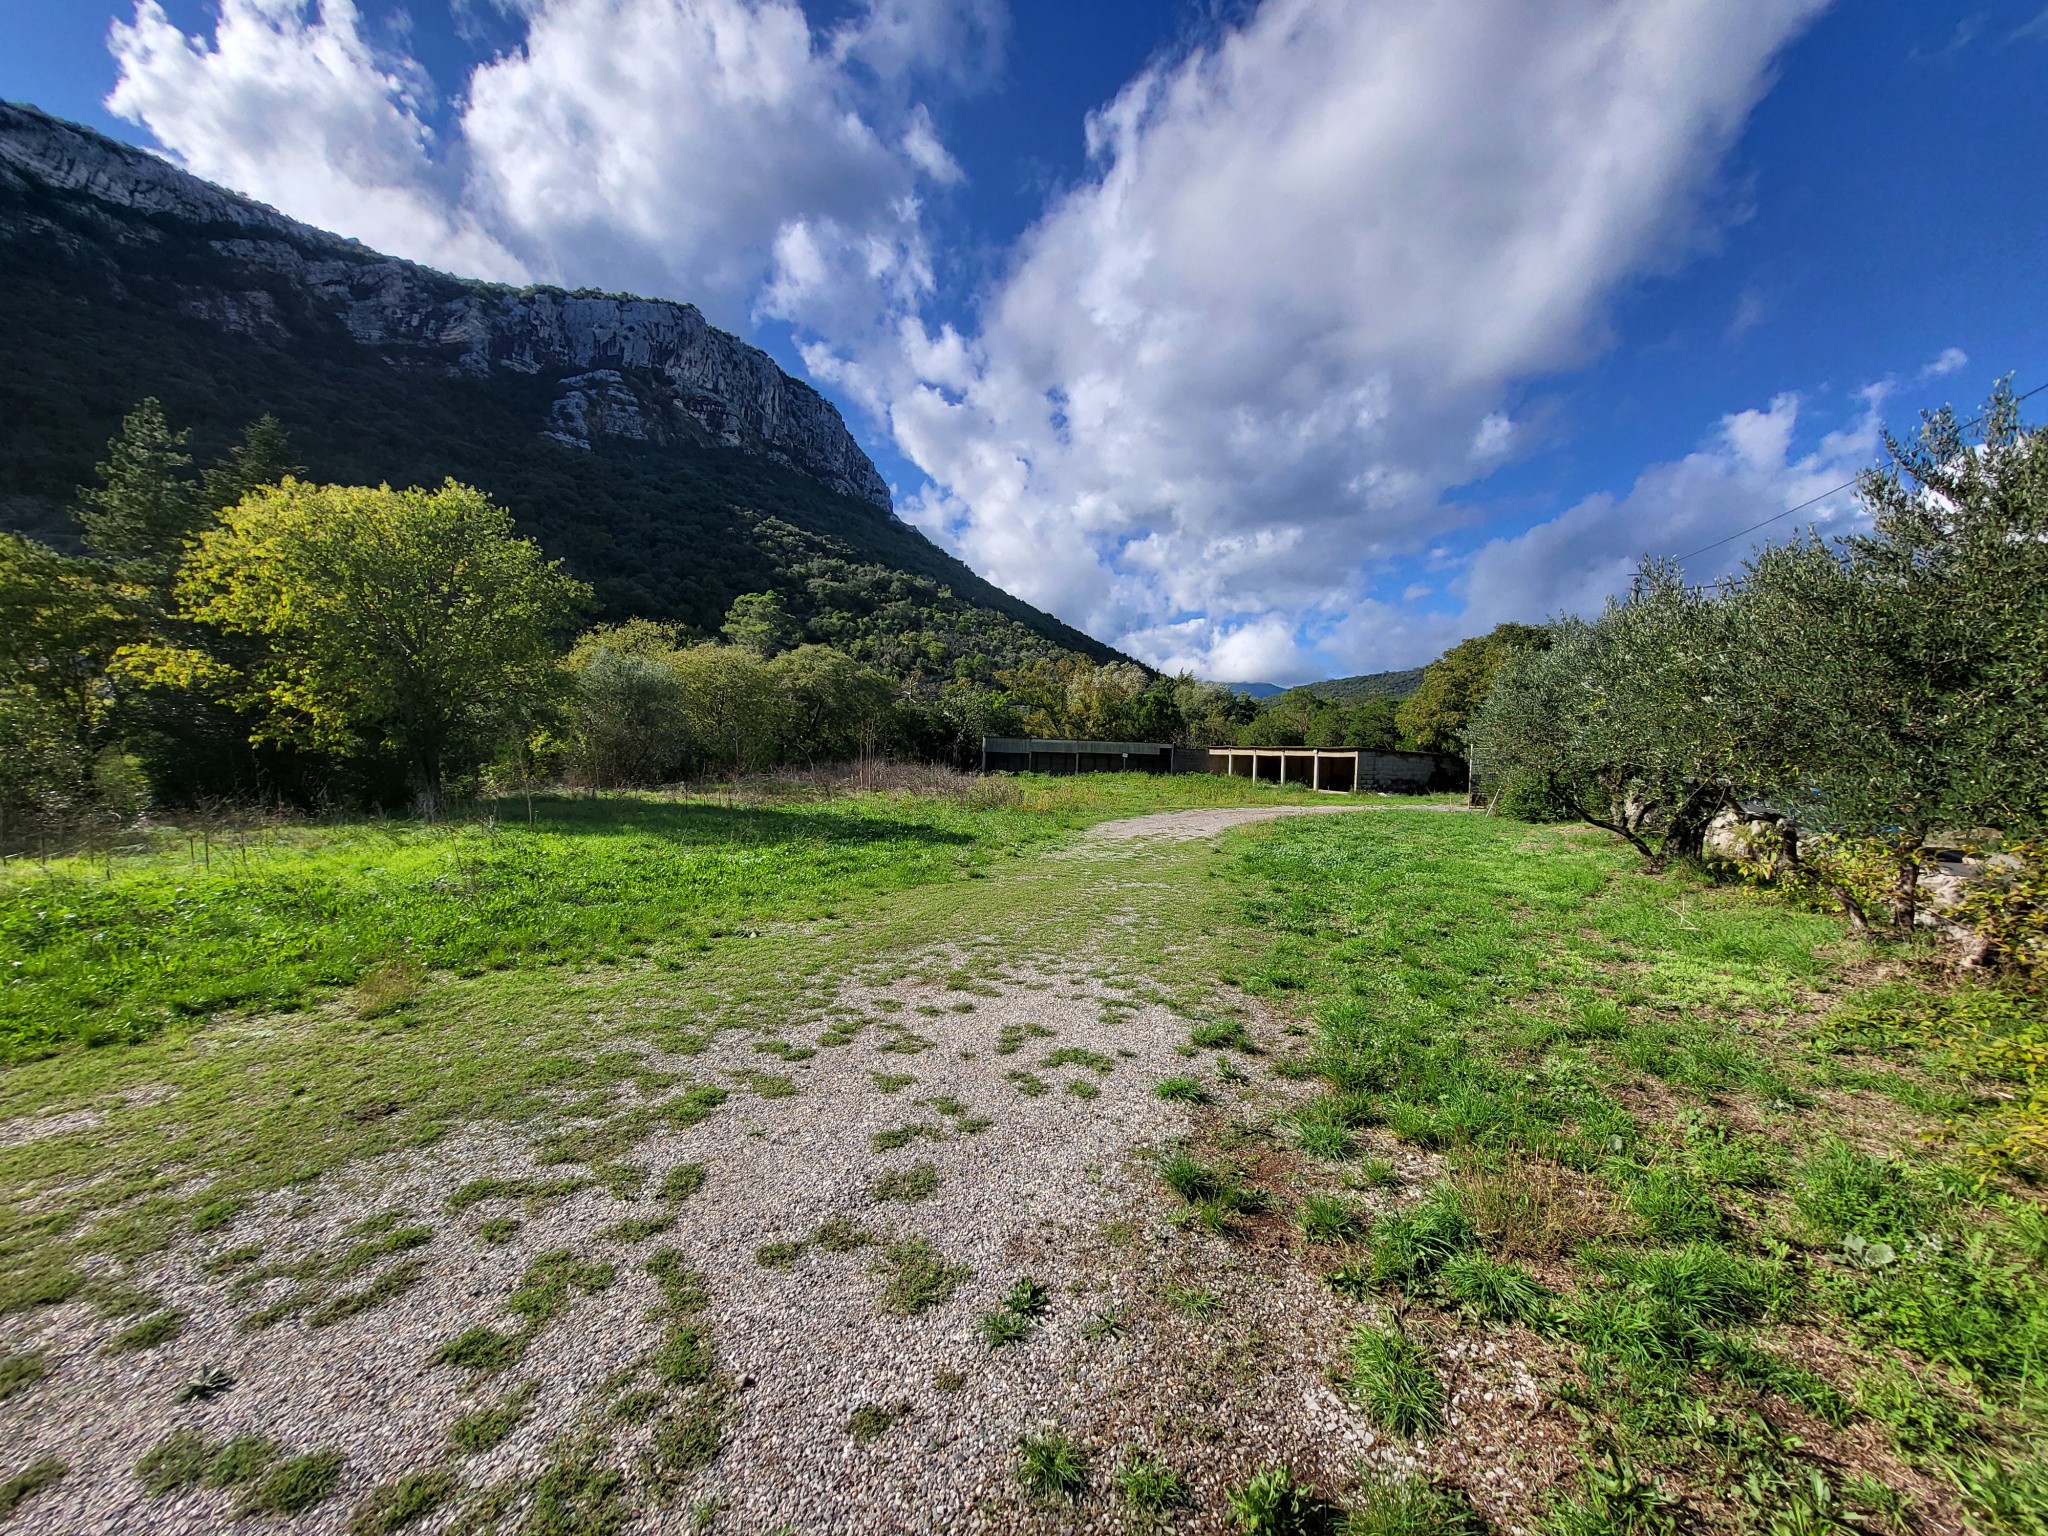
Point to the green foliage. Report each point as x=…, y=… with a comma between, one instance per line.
x=414, y=617
x=145, y=506
x=1271, y=1503
x=758, y=622
x=1391, y=1376
x=1435, y=717
x=1052, y=1466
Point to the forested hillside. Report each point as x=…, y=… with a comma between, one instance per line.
x=672, y=485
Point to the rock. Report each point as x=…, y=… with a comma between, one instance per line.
x=645, y=370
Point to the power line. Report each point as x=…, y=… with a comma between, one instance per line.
x=1823, y=496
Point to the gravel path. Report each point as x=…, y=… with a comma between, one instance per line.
x=1192, y=826
x=1023, y=1097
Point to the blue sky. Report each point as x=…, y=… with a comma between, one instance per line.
x=1276, y=340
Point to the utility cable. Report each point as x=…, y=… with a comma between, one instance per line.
x=1823, y=496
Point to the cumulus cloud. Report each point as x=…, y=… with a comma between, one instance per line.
x=1700, y=507
x=1289, y=308
x=302, y=113
x=721, y=151
x=1228, y=379
x=1952, y=360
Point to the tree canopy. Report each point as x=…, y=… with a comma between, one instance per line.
x=413, y=617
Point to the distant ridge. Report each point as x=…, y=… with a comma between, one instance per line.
x=1396, y=685
x=671, y=465
x=1254, y=690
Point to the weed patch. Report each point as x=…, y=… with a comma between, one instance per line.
x=483, y=1429
x=394, y=1506
x=918, y=1277
x=40, y=1474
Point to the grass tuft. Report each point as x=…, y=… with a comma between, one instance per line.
x=681, y=1182
x=1150, y=1488
x=292, y=1487
x=919, y=1182
x=1390, y=1376
x=481, y=1349
x=1180, y=1090
x=918, y=1277
x=397, y=1505
x=1497, y=1291
x=1052, y=1467
x=1410, y=1505
x=44, y=1472
x=20, y=1371
x=483, y=1429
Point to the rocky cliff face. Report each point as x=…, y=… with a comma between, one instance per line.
x=639, y=369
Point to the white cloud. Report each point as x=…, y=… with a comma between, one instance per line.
x=302, y=114
x=1952, y=360
x=1240, y=365
x=677, y=147
x=1298, y=297
x=1746, y=474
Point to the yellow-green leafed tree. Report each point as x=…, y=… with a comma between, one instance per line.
x=1457, y=682
x=414, y=618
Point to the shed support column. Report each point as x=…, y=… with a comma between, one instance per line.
x=1317, y=780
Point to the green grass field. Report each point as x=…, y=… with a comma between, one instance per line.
x=1698, y=1163
x=99, y=951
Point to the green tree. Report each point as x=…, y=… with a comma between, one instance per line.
x=1898, y=677
x=262, y=457
x=734, y=705
x=145, y=505
x=834, y=708
x=414, y=619
x=631, y=727
x=1454, y=685
x=758, y=622
x=60, y=619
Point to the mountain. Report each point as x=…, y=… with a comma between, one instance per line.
x=1255, y=690
x=1397, y=685
x=666, y=462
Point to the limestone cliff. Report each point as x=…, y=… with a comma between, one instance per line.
x=638, y=369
